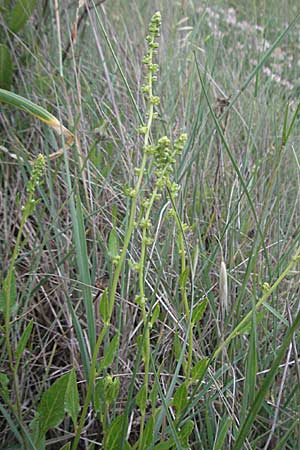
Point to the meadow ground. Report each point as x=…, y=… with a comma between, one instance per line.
x=153, y=284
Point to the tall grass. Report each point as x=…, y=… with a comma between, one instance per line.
x=132, y=319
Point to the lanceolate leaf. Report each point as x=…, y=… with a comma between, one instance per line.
x=72, y=405
x=51, y=409
x=148, y=434
x=104, y=306
x=180, y=398
x=110, y=353
x=199, y=310
x=114, y=433
x=113, y=244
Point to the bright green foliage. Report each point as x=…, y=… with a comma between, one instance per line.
x=180, y=398
x=104, y=306
x=110, y=353
x=51, y=409
x=114, y=434
x=72, y=406
x=6, y=67
x=8, y=294
x=23, y=342
x=17, y=16
x=199, y=310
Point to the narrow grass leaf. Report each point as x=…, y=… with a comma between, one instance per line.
x=84, y=274
x=41, y=113
x=222, y=433
x=252, y=414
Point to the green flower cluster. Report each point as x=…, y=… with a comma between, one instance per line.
x=37, y=174
x=165, y=158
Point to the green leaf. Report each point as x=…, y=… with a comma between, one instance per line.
x=180, y=398
x=51, y=409
x=114, y=434
x=4, y=380
x=96, y=156
x=99, y=399
x=167, y=445
x=148, y=434
x=153, y=395
x=141, y=398
x=199, y=369
x=23, y=342
x=111, y=389
x=104, y=306
x=155, y=314
x=110, y=353
x=72, y=406
x=183, y=277
x=222, y=433
x=268, y=380
x=19, y=14
x=113, y=244
x=11, y=292
x=177, y=346
x=199, y=310
x=185, y=433
x=6, y=67
x=67, y=446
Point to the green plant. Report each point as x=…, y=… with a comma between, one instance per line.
x=150, y=336
x=15, y=17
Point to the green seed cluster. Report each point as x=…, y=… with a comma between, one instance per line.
x=37, y=174
x=152, y=68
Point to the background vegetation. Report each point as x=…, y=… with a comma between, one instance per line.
x=229, y=78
